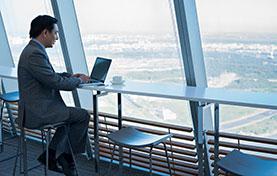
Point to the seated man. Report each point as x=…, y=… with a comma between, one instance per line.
x=40, y=100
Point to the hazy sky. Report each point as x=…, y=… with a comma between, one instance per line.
x=237, y=15
x=124, y=15
x=18, y=14
x=155, y=15
x=149, y=16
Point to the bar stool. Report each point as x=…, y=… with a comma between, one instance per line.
x=239, y=163
x=10, y=97
x=46, y=136
x=132, y=138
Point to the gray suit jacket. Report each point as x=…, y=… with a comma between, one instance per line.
x=40, y=100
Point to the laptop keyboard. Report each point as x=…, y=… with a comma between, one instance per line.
x=93, y=81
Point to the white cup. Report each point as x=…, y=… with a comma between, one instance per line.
x=117, y=79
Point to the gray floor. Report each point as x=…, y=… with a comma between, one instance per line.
x=84, y=166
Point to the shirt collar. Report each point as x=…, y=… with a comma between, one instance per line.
x=37, y=42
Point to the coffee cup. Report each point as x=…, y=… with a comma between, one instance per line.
x=117, y=79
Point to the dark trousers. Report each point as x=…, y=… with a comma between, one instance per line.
x=78, y=127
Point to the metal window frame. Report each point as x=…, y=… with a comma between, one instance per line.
x=72, y=46
x=6, y=58
x=193, y=61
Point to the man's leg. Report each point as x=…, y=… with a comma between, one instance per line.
x=78, y=126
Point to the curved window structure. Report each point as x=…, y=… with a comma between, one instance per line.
x=140, y=37
x=240, y=51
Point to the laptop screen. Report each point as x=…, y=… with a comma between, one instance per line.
x=100, y=69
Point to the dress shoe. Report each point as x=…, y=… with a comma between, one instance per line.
x=69, y=168
x=52, y=163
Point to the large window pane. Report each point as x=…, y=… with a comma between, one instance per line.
x=140, y=37
x=240, y=49
x=17, y=16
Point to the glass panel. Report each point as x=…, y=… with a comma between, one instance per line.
x=140, y=37
x=240, y=50
x=17, y=17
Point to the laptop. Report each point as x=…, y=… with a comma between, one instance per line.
x=99, y=72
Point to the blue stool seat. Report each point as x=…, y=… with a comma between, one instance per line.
x=240, y=163
x=131, y=137
x=10, y=97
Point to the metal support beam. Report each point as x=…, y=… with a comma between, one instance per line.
x=193, y=61
x=5, y=51
x=72, y=47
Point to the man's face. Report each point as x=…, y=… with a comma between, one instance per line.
x=51, y=37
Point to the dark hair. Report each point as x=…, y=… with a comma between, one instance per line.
x=40, y=23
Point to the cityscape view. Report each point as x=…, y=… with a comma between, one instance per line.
x=235, y=62
x=144, y=47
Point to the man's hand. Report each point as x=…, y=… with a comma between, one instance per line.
x=77, y=75
x=84, y=78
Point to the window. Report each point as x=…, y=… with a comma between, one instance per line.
x=17, y=17
x=240, y=51
x=140, y=37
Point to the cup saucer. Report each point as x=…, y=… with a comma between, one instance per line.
x=117, y=83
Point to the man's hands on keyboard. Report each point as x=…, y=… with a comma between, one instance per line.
x=84, y=78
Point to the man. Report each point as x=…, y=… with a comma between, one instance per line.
x=40, y=100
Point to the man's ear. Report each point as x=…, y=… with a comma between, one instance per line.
x=44, y=32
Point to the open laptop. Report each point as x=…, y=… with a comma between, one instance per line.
x=99, y=72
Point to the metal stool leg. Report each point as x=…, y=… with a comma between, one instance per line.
x=1, y=127
x=88, y=149
x=24, y=152
x=167, y=159
x=110, y=165
x=48, y=133
x=130, y=157
x=42, y=141
x=43, y=147
x=21, y=153
x=18, y=153
x=70, y=147
x=150, y=159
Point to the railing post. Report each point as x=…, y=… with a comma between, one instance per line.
x=200, y=139
x=216, y=138
x=202, y=145
x=238, y=144
x=119, y=105
x=96, y=128
x=171, y=151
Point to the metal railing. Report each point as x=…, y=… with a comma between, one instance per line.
x=181, y=147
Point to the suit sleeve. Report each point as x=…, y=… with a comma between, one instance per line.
x=42, y=71
x=65, y=74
